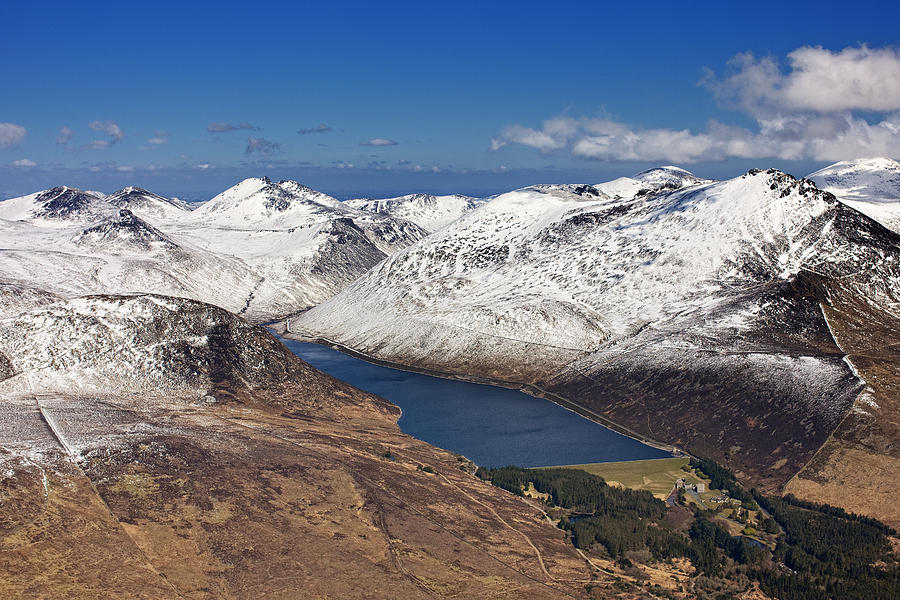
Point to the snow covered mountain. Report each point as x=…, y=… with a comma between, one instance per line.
x=870, y=185
x=261, y=249
x=425, y=210
x=134, y=345
x=61, y=204
x=149, y=206
x=70, y=243
x=305, y=245
x=651, y=180
x=683, y=311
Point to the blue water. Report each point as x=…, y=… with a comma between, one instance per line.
x=490, y=425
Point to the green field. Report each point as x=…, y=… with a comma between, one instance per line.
x=657, y=475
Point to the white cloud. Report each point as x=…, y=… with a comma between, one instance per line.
x=24, y=162
x=203, y=166
x=554, y=135
x=11, y=134
x=125, y=169
x=158, y=141
x=822, y=81
x=807, y=113
x=378, y=142
x=98, y=145
x=261, y=146
x=110, y=128
x=65, y=134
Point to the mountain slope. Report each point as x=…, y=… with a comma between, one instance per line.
x=870, y=185
x=691, y=316
x=155, y=447
x=115, y=345
x=425, y=210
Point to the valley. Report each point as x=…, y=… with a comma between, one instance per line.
x=689, y=313
x=751, y=323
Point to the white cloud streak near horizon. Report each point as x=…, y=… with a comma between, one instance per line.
x=806, y=113
x=378, y=142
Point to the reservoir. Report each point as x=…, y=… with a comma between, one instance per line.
x=490, y=425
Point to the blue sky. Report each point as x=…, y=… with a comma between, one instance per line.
x=378, y=98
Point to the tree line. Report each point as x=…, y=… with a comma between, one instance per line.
x=821, y=551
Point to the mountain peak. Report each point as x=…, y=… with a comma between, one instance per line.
x=428, y=211
x=124, y=232
x=669, y=176
x=870, y=185
x=862, y=179
x=63, y=202
x=147, y=205
x=875, y=162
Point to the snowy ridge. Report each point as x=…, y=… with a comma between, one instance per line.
x=571, y=259
x=651, y=180
x=58, y=205
x=548, y=266
x=149, y=206
x=425, y=210
x=120, y=345
x=261, y=249
x=870, y=185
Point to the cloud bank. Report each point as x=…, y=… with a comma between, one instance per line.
x=812, y=111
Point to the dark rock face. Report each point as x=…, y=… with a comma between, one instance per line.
x=135, y=196
x=63, y=203
x=125, y=228
x=277, y=199
x=346, y=253
x=7, y=369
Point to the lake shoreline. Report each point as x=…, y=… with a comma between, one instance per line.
x=529, y=389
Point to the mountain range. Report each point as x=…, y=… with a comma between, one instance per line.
x=425, y=210
x=707, y=315
x=752, y=320
x=261, y=249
